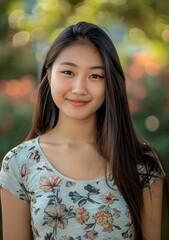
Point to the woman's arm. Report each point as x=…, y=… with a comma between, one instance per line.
x=15, y=217
x=152, y=211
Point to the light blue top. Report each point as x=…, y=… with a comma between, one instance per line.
x=63, y=208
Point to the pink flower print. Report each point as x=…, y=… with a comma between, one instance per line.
x=91, y=234
x=56, y=216
x=82, y=215
x=33, y=199
x=63, y=238
x=116, y=213
x=70, y=184
x=109, y=199
x=35, y=231
x=34, y=156
x=104, y=219
x=128, y=214
x=16, y=150
x=24, y=172
x=49, y=184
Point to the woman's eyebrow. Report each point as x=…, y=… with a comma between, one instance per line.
x=69, y=63
x=74, y=65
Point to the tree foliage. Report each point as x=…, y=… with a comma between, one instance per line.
x=23, y=23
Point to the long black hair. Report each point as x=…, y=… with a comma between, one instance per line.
x=116, y=139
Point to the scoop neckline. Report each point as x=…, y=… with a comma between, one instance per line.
x=60, y=174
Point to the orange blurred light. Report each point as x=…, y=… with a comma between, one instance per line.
x=136, y=71
x=134, y=105
x=19, y=90
x=139, y=91
x=152, y=69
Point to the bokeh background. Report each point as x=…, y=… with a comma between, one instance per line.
x=140, y=31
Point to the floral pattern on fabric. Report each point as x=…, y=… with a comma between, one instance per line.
x=63, y=208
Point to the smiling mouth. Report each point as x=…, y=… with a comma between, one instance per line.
x=77, y=103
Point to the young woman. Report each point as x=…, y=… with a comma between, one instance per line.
x=83, y=172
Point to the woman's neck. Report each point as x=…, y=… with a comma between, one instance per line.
x=74, y=131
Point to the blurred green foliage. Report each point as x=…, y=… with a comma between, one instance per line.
x=28, y=27
x=152, y=121
x=15, y=122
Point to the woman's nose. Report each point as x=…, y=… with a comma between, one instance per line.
x=79, y=86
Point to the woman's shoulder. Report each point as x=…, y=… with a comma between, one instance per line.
x=150, y=162
x=14, y=169
x=21, y=151
x=150, y=167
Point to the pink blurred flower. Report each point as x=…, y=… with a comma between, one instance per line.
x=49, y=184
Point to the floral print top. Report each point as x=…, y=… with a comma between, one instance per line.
x=63, y=208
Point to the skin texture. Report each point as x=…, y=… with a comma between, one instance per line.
x=151, y=214
x=16, y=217
x=78, y=89
x=73, y=77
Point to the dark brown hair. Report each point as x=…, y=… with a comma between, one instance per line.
x=116, y=139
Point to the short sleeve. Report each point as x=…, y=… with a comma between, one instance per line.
x=10, y=176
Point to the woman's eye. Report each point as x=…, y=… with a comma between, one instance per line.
x=96, y=76
x=68, y=73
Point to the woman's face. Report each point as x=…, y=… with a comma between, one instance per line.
x=77, y=81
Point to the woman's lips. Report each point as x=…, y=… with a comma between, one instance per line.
x=77, y=103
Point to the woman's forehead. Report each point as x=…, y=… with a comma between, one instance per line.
x=80, y=53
